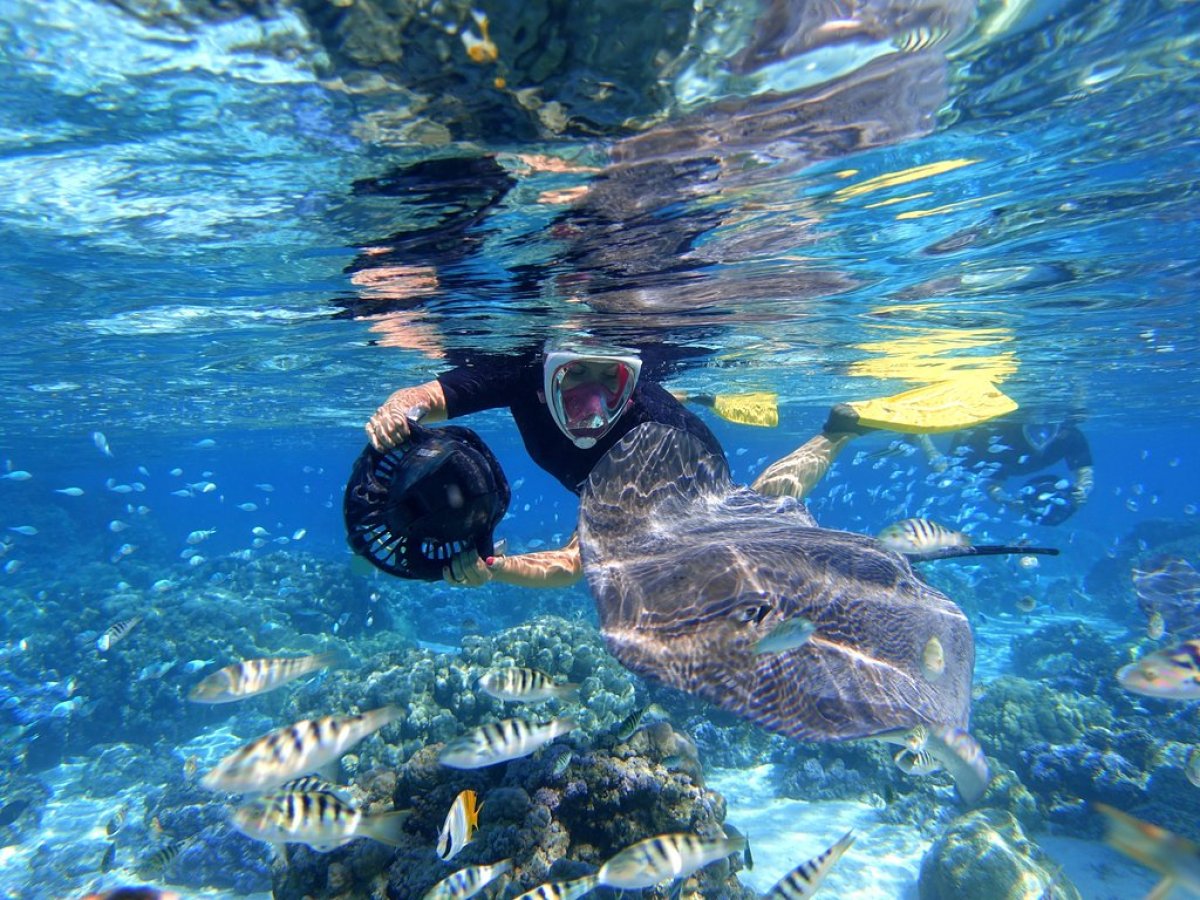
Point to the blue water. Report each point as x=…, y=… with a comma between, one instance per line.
x=193, y=238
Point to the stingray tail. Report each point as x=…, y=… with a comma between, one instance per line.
x=981, y=550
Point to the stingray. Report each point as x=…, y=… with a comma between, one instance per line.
x=1170, y=585
x=689, y=572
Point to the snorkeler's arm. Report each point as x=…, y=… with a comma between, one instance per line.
x=799, y=472
x=544, y=568
x=1078, y=456
x=1084, y=481
x=936, y=459
x=389, y=426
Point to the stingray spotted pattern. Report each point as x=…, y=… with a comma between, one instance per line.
x=689, y=572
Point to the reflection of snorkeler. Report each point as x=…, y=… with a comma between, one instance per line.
x=1011, y=449
x=571, y=404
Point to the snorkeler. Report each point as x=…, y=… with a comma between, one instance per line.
x=1009, y=449
x=571, y=402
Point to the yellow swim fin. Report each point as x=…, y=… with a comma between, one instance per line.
x=946, y=406
x=759, y=408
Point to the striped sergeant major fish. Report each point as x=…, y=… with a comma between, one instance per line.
x=916, y=762
x=316, y=818
x=1173, y=857
x=467, y=882
x=921, y=540
x=561, y=890
x=954, y=748
x=665, y=858
x=116, y=633
x=459, y=827
x=1172, y=673
x=289, y=752
x=525, y=685
x=309, y=783
x=161, y=858
x=258, y=676
x=804, y=880
x=498, y=742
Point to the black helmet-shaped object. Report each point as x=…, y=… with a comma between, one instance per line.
x=412, y=508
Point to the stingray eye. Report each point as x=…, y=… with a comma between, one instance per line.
x=752, y=612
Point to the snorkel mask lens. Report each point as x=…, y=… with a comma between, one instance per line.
x=588, y=392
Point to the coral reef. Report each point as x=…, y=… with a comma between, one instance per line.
x=1071, y=656
x=1014, y=713
x=550, y=825
x=986, y=854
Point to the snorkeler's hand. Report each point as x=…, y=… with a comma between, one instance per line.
x=388, y=428
x=466, y=569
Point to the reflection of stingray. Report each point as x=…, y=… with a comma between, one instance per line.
x=689, y=572
x=1171, y=586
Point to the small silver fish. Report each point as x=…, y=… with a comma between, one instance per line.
x=200, y=535
x=154, y=671
x=70, y=491
x=665, y=857
x=288, y=752
x=467, y=882
x=459, y=828
x=501, y=741
x=316, y=818
x=116, y=633
x=259, y=676
x=27, y=530
x=803, y=881
x=101, y=443
x=525, y=685
x=17, y=475
x=787, y=635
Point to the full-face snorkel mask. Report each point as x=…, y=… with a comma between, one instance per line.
x=587, y=388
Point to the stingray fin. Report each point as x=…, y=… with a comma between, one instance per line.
x=944, y=406
x=655, y=466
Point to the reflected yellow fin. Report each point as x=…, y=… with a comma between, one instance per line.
x=945, y=406
x=760, y=408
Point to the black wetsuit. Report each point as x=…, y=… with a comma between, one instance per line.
x=515, y=382
x=1007, y=446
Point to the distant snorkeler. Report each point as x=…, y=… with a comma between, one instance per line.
x=1026, y=446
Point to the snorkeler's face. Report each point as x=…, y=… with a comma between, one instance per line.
x=587, y=396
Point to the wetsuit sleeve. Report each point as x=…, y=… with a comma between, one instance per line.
x=487, y=383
